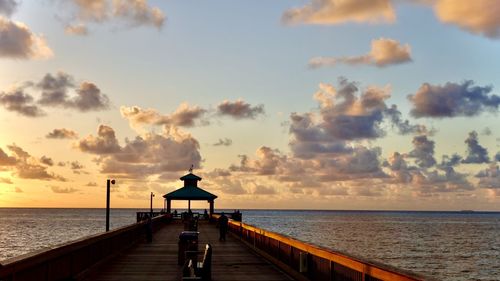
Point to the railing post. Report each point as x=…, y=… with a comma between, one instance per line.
x=279, y=249
x=330, y=267
x=254, y=237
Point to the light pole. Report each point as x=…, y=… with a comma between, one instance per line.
x=151, y=206
x=108, y=185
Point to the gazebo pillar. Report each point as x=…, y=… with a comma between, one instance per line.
x=211, y=207
x=168, y=206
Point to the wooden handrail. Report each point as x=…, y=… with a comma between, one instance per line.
x=75, y=256
x=373, y=269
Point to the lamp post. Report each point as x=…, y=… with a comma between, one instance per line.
x=108, y=187
x=151, y=206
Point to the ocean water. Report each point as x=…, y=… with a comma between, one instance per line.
x=26, y=230
x=444, y=245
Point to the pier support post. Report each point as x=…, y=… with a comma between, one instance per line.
x=168, y=206
x=108, y=191
x=151, y=206
x=211, y=207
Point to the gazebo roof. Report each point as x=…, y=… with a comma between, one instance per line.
x=190, y=193
x=190, y=176
x=190, y=190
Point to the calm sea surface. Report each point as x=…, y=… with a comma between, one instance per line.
x=445, y=245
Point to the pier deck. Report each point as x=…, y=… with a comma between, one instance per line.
x=231, y=260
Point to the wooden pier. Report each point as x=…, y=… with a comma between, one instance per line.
x=250, y=253
x=158, y=260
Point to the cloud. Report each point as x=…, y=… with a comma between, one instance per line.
x=399, y=169
x=18, y=101
x=341, y=11
x=217, y=172
x=310, y=139
x=6, y=160
x=62, y=134
x=54, y=88
x=27, y=170
x=183, y=116
x=151, y=154
x=18, y=190
x=233, y=187
x=453, y=100
x=490, y=177
x=362, y=163
x=486, y=131
x=46, y=161
x=19, y=152
x=475, y=152
x=384, y=52
x=404, y=127
x=264, y=190
x=75, y=165
x=223, y=142
x=25, y=166
x=54, y=93
x=91, y=183
x=89, y=97
x=431, y=182
x=136, y=188
x=6, y=180
x=19, y=42
x=77, y=29
x=239, y=109
x=426, y=178
x=478, y=16
x=57, y=189
x=8, y=7
x=131, y=13
x=423, y=152
x=333, y=191
x=138, y=12
x=347, y=115
x=450, y=161
x=104, y=143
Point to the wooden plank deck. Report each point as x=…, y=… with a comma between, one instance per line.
x=231, y=260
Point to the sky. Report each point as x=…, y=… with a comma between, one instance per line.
x=310, y=104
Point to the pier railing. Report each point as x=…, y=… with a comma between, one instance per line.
x=74, y=259
x=304, y=261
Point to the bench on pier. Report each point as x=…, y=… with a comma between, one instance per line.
x=194, y=270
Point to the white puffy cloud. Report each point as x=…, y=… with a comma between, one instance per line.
x=384, y=52
x=151, y=154
x=478, y=16
x=184, y=116
x=19, y=42
x=131, y=13
x=341, y=11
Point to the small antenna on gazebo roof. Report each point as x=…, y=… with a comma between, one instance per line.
x=191, y=169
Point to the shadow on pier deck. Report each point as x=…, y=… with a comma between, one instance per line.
x=158, y=260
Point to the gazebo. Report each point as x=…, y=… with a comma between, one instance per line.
x=190, y=191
